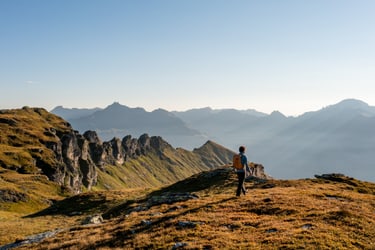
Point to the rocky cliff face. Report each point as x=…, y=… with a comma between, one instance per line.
x=72, y=165
x=34, y=141
x=78, y=156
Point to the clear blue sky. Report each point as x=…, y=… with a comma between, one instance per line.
x=291, y=56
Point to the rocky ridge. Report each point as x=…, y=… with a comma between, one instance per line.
x=34, y=141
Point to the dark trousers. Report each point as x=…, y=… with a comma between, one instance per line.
x=241, y=183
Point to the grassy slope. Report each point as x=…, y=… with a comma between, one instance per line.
x=275, y=214
x=21, y=195
x=162, y=168
x=22, y=134
x=150, y=170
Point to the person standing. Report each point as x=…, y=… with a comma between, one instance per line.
x=241, y=173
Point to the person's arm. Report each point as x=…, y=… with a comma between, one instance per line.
x=244, y=162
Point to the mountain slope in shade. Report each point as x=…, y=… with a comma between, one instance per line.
x=118, y=120
x=117, y=116
x=338, y=138
x=73, y=113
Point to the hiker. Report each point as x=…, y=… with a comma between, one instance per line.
x=241, y=172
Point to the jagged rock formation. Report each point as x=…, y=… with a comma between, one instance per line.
x=36, y=141
x=50, y=146
x=258, y=171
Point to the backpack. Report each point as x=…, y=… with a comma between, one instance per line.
x=237, y=164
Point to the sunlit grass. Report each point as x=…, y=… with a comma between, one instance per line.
x=23, y=132
x=300, y=214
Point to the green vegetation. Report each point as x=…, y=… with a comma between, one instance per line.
x=33, y=191
x=159, y=168
x=23, y=134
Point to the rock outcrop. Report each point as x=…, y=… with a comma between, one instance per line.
x=79, y=155
x=36, y=141
x=258, y=171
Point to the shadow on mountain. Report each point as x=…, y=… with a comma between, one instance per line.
x=212, y=181
x=79, y=204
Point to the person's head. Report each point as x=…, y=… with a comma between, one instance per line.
x=242, y=149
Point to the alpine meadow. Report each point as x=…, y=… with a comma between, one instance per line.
x=187, y=124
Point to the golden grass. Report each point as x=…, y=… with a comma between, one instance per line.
x=18, y=220
x=23, y=132
x=15, y=227
x=300, y=214
x=36, y=193
x=150, y=170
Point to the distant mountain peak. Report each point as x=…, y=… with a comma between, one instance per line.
x=210, y=143
x=116, y=105
x=59, y=107
x=352, y=106
x=209, y=146
x=73, y=113
x=350, y=103
x=160, y=110
x=277, y=113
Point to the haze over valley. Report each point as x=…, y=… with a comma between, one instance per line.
x=337, y=138
x=119, y=121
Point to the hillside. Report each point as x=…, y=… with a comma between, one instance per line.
x=43, y=159
x=34, y=141
x=25, y=134
x=201, y=212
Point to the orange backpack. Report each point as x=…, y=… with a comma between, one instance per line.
x=237, y=164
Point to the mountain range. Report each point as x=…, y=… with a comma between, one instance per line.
x=336, y=138
x=67, y=189
x=34, y=141
x=118, y=120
